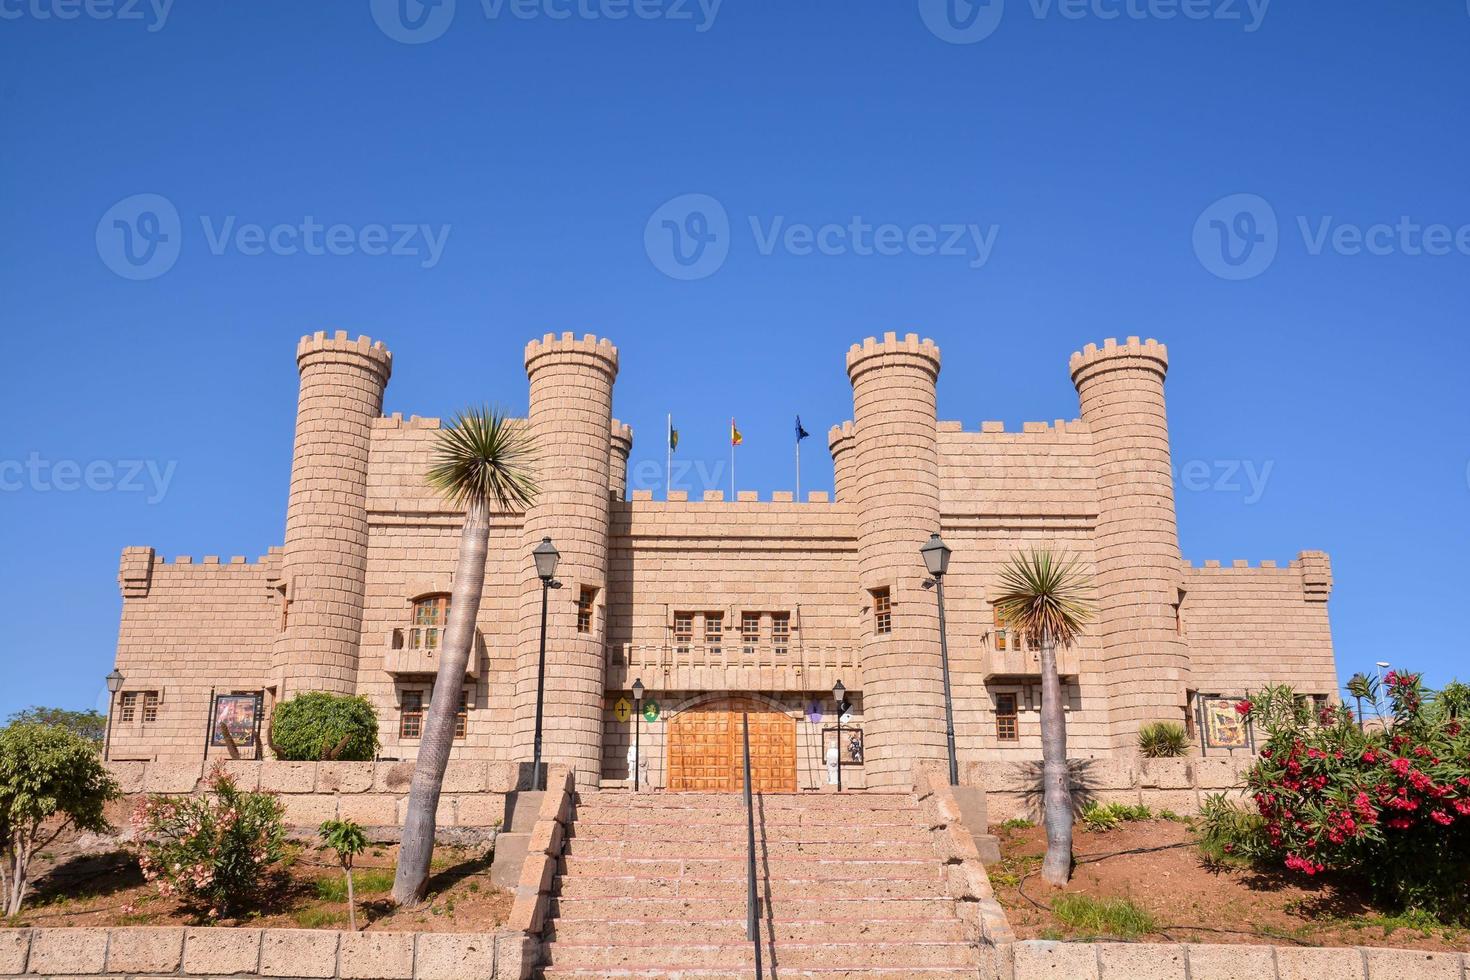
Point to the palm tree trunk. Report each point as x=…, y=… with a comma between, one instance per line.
x=410, y=884
x=1055, y=779
x=351, y=903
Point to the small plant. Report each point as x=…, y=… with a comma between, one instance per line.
x=51, y=780
x=1017, y=823
x=1163, y=740
x=1228, y=833
x=1106, y=816
x=211, y=851
x=1117, y=918
x=347, y=839
x=316, y=725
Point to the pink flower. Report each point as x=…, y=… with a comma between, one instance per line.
x=1401, y=766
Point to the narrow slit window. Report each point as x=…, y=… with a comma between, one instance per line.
x=683, y=632
x=584, y=608
x=714, y=631
x=882, y=612
x=781, y=633
x=750, y=632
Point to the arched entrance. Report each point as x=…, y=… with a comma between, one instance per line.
x=706, y=748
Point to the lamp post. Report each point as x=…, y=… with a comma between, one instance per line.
x=114, y=684
x=637, y=731
x=546, y=557
x=839, y=697
x=936, y=559
x=1355, y=686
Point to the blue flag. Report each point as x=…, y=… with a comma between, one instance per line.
x=800, y=432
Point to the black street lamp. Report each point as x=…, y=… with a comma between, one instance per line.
x=839, y=696
x=936, y=559
x=546, y=557
x=114, y=684
x=637, y=730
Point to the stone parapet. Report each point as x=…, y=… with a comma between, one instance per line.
x=1038, y=960
x=1013, y=789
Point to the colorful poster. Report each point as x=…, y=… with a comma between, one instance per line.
x=1225, y=728
x=852, y=745
x=236, y=714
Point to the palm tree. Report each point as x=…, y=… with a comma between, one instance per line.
x=1045, y=599
x=482, y=462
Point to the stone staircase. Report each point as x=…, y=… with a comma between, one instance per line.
x=654, y=886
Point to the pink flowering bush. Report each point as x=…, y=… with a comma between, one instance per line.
x=1390, y=806
x=210, y=851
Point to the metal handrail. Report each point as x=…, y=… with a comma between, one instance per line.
x=752, y=917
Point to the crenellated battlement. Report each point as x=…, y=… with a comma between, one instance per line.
x=912, y=351
x=319, y=346
x=1074, y=427
x=397, y=421
x=840, y=437
x=622, y=437
x=681, y=497
x=137, y=566
x=1112, y=355
x=590, y=349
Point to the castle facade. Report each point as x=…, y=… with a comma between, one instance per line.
x=721, y=608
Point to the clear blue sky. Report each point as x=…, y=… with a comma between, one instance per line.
x=1085, y=150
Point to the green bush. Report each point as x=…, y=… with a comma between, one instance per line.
x=1106, y=816
x=51, y=780
x=317, y=725
x=211, y=851
x=1227, y=832
x=1163, y=740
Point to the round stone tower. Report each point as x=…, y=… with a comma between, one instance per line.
x=896, y=488
x=844, y=462
x=324, y=561
x=622, y=446
x=1144, y=663
x=571, y=419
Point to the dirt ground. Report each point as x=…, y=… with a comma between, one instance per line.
x=94, y=882
x=1194, y=901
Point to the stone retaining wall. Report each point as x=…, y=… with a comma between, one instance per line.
x=182, y=952
x=1148, y=961
x=1013, y=789
x=374, y=794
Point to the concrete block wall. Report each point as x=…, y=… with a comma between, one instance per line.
x=317, y=953
x=1037, y=960
x=1014, y=789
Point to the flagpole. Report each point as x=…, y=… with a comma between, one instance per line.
x=732, y=459
x=798, y=471
x=669, y=466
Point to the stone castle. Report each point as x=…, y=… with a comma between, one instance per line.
x=721, y=607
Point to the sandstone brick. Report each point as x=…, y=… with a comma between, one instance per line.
x=15, y=947
x=1216, y=773
x=64, y=952
x=376, y=956
x=344, y=777
x=171, y=777
x=392, y=777
x=1143, y=961
x=1225, y=962
x=1293, y=963
x=479, y=810
x=369, y=809
x=219, y=952
x=1167, y=773
x=129, y=775
x=465, y=776
x=1403, y=964
x=1056, y=961
x=309, y=810
x=455, y=956
x=298, y=953
x=138, y=950
x=288, y=777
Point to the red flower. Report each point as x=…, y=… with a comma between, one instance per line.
x=1440, y=817
x=1401, y=766
x=1243, y=707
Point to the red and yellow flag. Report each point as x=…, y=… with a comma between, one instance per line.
x=735, y=437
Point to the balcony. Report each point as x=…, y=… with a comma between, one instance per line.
x=414, y=651
x=733, y=666
x=1026, y=662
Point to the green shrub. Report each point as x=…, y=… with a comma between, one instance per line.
x=210, y=851
x=51, y=780
x=316, y=725
x=1114, y=917
x=1227, y=832
x=1163, y=740
x=1106, y=816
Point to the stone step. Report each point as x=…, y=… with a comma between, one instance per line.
x=680, y=832
x=609, y=847
x=790, y=866
x=628, y=886
x=846, y=802
x=769, y=971
x=656, y=908
x=731, y=931
x=788, y=956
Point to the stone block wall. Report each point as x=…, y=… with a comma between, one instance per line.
x=325, y=955
x=1013, y=790
x=1037, y=960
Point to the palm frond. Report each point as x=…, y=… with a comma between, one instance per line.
x=485, y=457
x=1044, y=595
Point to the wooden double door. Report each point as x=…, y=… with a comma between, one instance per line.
x=706, y=753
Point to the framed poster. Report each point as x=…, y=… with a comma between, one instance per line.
x=239, y=715
x=852, y=745
x=1223, y=726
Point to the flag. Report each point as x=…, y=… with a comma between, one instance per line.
x=735, y=437
x=673, y=439
x=800, y=432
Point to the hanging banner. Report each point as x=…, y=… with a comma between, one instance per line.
x=236, y=714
